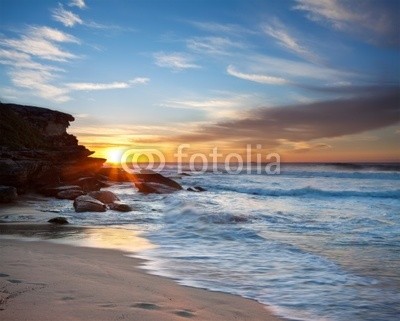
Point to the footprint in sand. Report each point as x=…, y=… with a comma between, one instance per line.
x=185, y=313
x=146, y=306
x=108, y=305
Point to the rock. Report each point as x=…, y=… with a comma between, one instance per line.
x=70, y=194
x=154, y=188
x=58, y=220
x=86, y=203
x=105, y=197
x=153, y=177
x=115, y=174
x=119, y=206
x=36, y=150
x=89, y=184
x=8, y=194
x=54, y=191
x=196, y=189
x=151, y=182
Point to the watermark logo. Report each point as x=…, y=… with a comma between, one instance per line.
x=254, y=161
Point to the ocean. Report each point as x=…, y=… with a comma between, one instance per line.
x=316, y=242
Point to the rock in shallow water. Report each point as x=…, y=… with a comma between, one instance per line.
x=86, y=203
x=105, y=197
x=196, y=189
x=8, y=194
x=70, y=194
x=58, y=220
x=54, y=191
x=120, y=207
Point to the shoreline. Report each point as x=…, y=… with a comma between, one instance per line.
x=42, y=280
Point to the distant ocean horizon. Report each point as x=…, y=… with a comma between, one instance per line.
x=319, y=241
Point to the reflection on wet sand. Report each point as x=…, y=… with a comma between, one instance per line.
x=98, y=237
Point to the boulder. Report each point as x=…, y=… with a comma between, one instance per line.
x=151, y=182
x=154, y=188
x=86, y=203
x=105, y=197
x=58, y=220
x=196, y=189
x=120, y=207
x=148, y=176
x=89, y=184
x=55, y=190
x=8, y=194
x=70, y=194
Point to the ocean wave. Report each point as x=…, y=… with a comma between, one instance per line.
x=313, y=192
x=342, y=174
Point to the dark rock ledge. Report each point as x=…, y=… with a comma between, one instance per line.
x=38, y=155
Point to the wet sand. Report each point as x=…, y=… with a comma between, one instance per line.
x=46, y=281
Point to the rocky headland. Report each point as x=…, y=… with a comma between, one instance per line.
x=38, y=155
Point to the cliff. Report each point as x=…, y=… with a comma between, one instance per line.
x=36, y=150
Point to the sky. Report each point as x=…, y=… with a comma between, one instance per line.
x=312, y=80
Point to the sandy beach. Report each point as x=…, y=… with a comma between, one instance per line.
x=45, y=281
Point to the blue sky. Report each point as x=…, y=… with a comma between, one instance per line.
x=143, y=72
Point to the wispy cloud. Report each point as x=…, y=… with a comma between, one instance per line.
x=110, y=27
x=22, y=55
x=39, y=82
x=52, y=34
x=296, y=71
x=77, y=3
x=262, y=79
x=88, y=86
x=67, y=18
x=97, y=86
x=41, y=42
x=139, y=80
x=213, y=45
x=228, y=106
x=373, y=21
x=279, y=32
x=175, y=61
x=220, y=28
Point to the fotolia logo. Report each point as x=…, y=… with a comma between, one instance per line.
x=253, y=162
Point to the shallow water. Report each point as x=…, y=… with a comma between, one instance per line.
x=318, y=242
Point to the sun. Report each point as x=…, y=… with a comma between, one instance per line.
x=114, y=156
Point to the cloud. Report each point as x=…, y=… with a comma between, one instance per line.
x=262, y=79
x=39, y=83
x=20, y=55
x=77, y=3
x=277, y=31
x=139, y=80
x=295, y=71
x=217, y=107
x=96, y=25
x=304, y=122
x=373, y=21
x=97, y=86
x=67, y=18
x=175, y=61
x=213, y=45
x=52, y=34
x=41, y=42
x=219, y=28
x=88, y=86
x=301, y=147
